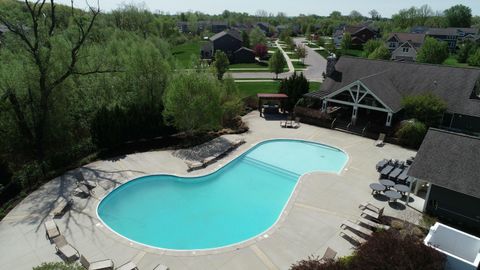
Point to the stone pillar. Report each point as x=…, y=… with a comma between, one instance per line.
x=324, y=105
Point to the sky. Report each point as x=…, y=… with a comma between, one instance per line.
x=290, y=7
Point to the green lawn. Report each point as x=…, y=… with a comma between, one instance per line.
x=452, y=61
x=352, y=52
x=323, y=53
x=297, y=64
x=252, y=88
x=184, y=52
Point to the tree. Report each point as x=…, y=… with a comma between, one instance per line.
x=427, y=108
x=302, y=52
x=193, y=102
x=346, y=41
x=381, y=53
x=308, y=32
x=355, y=15
x=277, y=63
x=54, y=54
x=467, y=48
x=294, y=87
x=375, y=15
x=261, y=51
x=335, y=15
x=433, y=51
x=459, y=16
x=474, y=58
x=257, y=37
x=371, y=45
x=221, y=64
x=58, y=266
x=246, y=39
x=411, y=133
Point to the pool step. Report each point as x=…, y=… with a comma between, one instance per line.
x=270, y=167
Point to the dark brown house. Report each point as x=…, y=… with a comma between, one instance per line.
x=360, y=35
x=230, y=42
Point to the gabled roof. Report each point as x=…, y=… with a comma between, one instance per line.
x=450, y=160
x=233, y=33
x=414, y=38
x=244, y=49
x=392, y=81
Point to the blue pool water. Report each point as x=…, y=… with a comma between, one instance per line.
x=239, y=201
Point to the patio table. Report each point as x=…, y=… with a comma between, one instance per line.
x=393, y=195
x=402, y=188
x=387, y=183
x=377, y=188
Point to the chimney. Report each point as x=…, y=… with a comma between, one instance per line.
x=331, y=61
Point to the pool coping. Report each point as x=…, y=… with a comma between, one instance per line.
x=228, y=248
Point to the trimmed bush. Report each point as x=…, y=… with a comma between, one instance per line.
x=426, y=108
x=58, y=266
x=412, y=133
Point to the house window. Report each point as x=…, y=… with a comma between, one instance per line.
x=392, y=45
x=405, y=49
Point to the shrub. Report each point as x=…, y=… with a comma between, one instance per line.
x=261, y=51
x=314, y=263
x=294, y=87
x=474, y=58
x=381, y=53
x=371, y=45
x=221, y=64
x=433, y=51
x=412, y=133
x=58, y=266
x=427, y=108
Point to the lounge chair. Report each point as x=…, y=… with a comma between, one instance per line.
x=352, y=236
x=368, y=205
x=82, y=191
x=393, y=175
x=88, y=183
x=381, y=164
x=128, y=266
x=372, y=214
x=65, y=249
x=161, y=267
x=103, y=264
x=380, y=140
x=386, y=171
x=51, y=229
x=329, y=255
x=347, y=224
x=373, y=224
x=296, y=124
x=286, y=124
x=61, y=207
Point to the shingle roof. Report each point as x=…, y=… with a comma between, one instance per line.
x=392, y=81
x=450, y=160
x=450, y=31
x=231, y=32
x=414, y=38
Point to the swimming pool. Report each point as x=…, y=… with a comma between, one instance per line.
x=238, y=202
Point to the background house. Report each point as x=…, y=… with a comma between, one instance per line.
x=360, y=34
x=450, y=162
x=404, y=46
x=451, y=35
x=230, y=42
x=370, y=92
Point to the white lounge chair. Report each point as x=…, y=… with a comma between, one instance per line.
x=65, y=249
x=88, y=183
x=372, y=214
x=51, y=229
x=103, y=264
x=373, y=224
x=161, y=267
x=352, y=236
x=329, y=254
x=82, y=191
x=62, y=205
x=353, y=226
x=368, y=205
x=381, y=139
x=128, y=266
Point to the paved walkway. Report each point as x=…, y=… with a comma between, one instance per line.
x=287, y=58
x=309, y=225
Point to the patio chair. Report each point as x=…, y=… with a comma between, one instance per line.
x=103, y=264
x=51, y=229
x=368, y=205
x=296, y=124
x=347, y=224
x=88, y=183
x=381, y=139
x=82, y=191
x=353, y=236
x=64, y=249
x=128, y=266
x=373, y=224
x=329, y=254
x=61, y=207
x=161, y=267
x=381, y=164
x=372, y=214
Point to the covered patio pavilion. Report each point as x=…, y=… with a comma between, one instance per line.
x=269, y=97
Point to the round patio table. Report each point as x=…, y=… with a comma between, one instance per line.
x=402, y=188
x=376, y=187
x=393, y=195
x=387, y=183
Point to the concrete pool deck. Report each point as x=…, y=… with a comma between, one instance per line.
x=311, y=224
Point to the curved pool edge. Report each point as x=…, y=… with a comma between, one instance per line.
x=247, y=242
